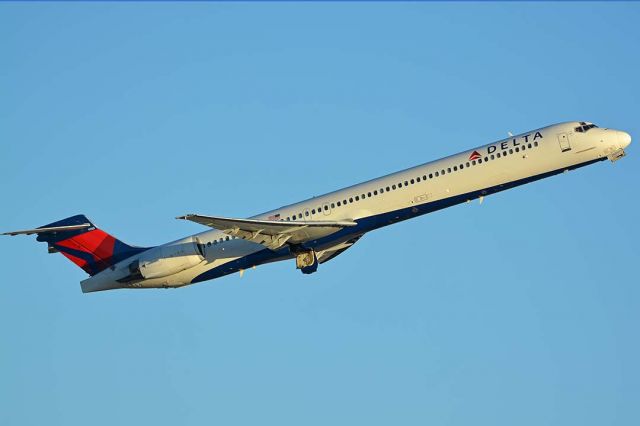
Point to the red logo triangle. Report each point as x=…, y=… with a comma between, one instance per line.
x=474, y=155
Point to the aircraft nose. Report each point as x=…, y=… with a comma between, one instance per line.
x=624, y=139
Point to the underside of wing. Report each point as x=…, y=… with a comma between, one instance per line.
x=328, y=254
x=271, y=233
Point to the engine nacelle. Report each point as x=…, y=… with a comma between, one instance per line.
x=167, y=260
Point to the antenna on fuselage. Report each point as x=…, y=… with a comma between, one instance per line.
x=510, y=134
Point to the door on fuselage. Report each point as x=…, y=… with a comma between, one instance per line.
x=565, y=144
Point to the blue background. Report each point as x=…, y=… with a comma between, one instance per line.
x=523, y=310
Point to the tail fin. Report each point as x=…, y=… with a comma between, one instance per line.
x=83, y=243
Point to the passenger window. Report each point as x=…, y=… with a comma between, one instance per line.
x=412, y=181
x=424, y=177
x=442, y=171
x=393, y=187
x=535, y=143
x=461, y=166
x=389, y=189
x=493, y=157
x=511, y=151
x=479, y=160
x=406, y=183
x=306, y=213
x=468, y=165
x=437, y=174
x=473, y=163
x=431, y=175
x=339, y=204
x=418, y=179
x=313, y=211
x=357, y=198
x=368, y=194
x=375, y=192
x=529, y=146
x=517, y=149
x=448, y=169
x=326, y=208
x=455, y=168
x=400, y=185
x=382, y=190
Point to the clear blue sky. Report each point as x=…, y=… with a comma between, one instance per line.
x=523, y=310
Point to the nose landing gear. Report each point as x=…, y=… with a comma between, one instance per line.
x=616, y=155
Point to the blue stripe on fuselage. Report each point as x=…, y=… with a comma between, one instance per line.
x=370, y=223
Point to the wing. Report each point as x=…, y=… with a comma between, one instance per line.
x=271, y=233
x=330, y=253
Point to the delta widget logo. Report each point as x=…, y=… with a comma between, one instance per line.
x=474, y=156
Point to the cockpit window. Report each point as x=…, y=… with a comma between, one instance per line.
x=585, y=127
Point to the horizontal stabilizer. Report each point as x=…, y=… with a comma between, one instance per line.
x=49, y=229
x=271, y=233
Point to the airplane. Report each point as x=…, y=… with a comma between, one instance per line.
x=318, y=229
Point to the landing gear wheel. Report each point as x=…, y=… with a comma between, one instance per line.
x=307, y=262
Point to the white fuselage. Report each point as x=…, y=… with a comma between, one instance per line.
x=398, y=196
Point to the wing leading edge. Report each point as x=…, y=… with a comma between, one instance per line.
x=272, y=234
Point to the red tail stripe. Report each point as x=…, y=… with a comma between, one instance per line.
x=96, y=242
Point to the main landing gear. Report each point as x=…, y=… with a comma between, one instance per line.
x=307, y=261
